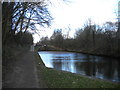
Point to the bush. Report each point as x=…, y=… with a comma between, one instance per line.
x=24, y=39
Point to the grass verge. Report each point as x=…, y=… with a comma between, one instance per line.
x=62, y=79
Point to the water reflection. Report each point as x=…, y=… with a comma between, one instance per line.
x=94, y=66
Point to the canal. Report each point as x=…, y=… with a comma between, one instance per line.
x=84, y=64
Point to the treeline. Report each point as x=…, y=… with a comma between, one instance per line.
x=93, y=39
x=18, y=18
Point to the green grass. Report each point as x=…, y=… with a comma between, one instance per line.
x=62, y=79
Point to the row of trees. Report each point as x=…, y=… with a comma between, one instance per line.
x=104, y=40
x=90, y=39
x=19, y=17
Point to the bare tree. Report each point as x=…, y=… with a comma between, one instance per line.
x=23, y=15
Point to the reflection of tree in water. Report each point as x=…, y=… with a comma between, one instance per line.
x=109, y=69
x=79, y=56
x=76, y=56
x=66, y=66
x=57, y=64
x=118, y=69
x=88, y=67
x=92, y=68
x=60, y=64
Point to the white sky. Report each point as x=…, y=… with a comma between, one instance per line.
x=77, y=12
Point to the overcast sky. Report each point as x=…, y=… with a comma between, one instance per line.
x=76, y=12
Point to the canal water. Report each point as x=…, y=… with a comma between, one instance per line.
x=84, y=64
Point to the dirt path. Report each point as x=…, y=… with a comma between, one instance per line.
x=24, y=74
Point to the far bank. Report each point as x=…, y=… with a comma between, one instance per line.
x=91, y=52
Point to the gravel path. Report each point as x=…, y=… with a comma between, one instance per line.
x=24, y=73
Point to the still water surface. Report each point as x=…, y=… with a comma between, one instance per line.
x=85, y=64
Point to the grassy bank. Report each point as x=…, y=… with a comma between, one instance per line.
x=62, y=79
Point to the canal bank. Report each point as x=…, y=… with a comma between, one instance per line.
x=92, y=52
x=84, y=64
x=62, y=79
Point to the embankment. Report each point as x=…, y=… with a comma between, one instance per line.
x=62, y=79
